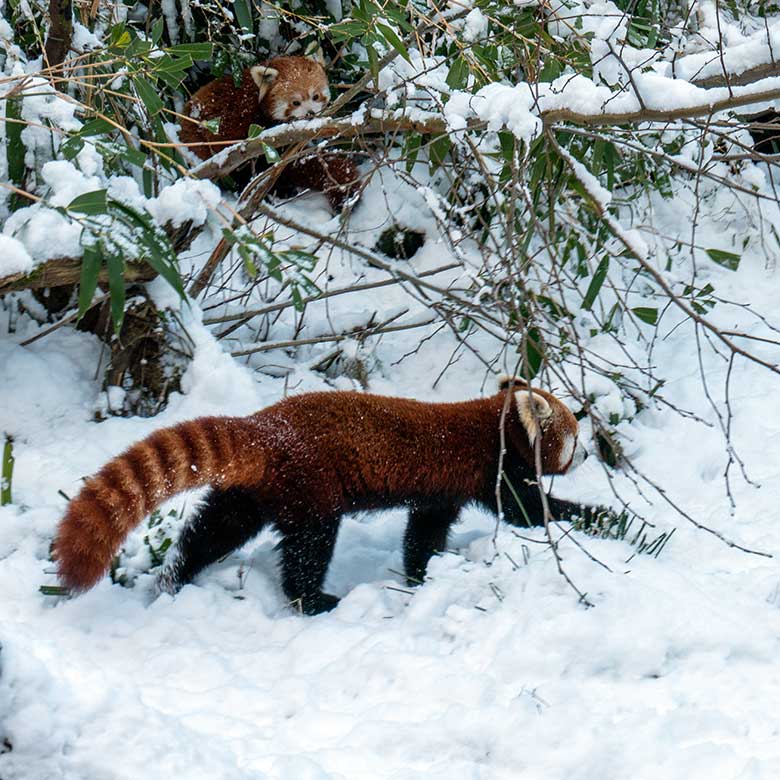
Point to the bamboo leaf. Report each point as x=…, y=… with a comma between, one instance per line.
x=90, y=203
x=595, y=283
x=157, y=29
x=198, y=51
x=458, y=76
x=116, y=287
x=271, y=155
x=7, y=471
x=148, y=95
x=726, y=259
x=90, y=268
x=15, y=149
x=395, y=42
x=646, y=314
x=243, y=13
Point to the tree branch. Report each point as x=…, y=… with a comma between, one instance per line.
x=67, y=270
x=378, y=122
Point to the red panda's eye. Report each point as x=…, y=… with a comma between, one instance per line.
x=296, y=103
x=316, y=97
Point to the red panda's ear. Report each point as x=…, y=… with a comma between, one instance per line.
x=264, y=76
x=533, y=410
x=505, y=381
x=316, y=55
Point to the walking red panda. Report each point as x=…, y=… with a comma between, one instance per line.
x=278, y=90
x=304, y=462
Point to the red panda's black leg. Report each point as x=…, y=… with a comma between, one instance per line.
x=524, y=507
x=586, y=514
x=226, y=520
x=426, y=534
x=306, y=553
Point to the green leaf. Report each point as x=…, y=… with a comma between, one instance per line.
x=348, y=29
x=458, y=76
x=198, y=51
x=271, y=155
x=53, y=590
x=646, y=314
x=254, y=131
x=132, y=155
x=534, y=352
x=90, y=203
x=173, y=80
x=170, y=64
x=120, y=36
x=148, y=182
x=15, y=149
x=95, y=127
x=90, y=268
x=148, y=95
x=392, y=38
x=297, y=299
x=159, y=253
x=411, y=150
x=70, y=147
x=249, y=263
x=507, y=143
x=373, y=58
x=726, y=259
x=243, y=13
x=304, y=260
x=212, y=125
x=395, y=13
x=157, y=30
x=595, y=283
x=7, y=471
x=439, y=149
x=116, y=287
x=138, y=48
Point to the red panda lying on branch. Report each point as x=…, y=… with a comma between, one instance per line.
x=279, y=90
x=304, y=462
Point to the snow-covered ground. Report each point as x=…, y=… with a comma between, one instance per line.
x=491, y=669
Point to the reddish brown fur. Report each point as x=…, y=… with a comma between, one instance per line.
x=307, y=457
x=132, y=485
x=238, y=107
x=334, y=174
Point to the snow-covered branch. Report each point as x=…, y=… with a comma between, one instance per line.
x=579, y=102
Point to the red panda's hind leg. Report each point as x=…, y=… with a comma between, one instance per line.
x=225, y=521
x=426, y=534
x=307, y=548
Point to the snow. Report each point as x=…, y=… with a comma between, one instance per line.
x=475, y=25
x=35, y=226
x=185, y=199
x=492, y=669
x=66, y=182
x=14, y=258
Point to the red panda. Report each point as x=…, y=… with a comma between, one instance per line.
x=278, y=90
x=307, y=460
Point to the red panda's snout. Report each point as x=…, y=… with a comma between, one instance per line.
x=298, y=105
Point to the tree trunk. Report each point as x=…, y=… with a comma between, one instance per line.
x=60, y=32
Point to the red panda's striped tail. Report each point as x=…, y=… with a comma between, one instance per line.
x=210, y=450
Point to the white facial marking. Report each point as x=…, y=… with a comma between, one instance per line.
x=567, y=450
x=279, y=109
x=304, y=107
